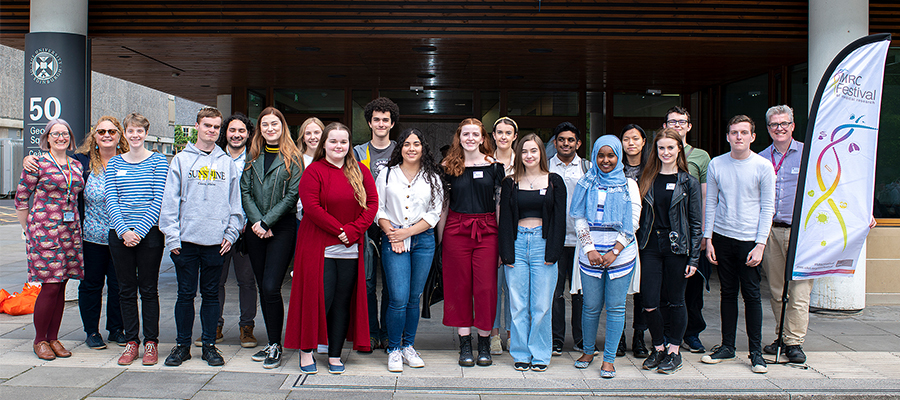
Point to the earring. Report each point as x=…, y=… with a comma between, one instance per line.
x=96, y=147
x=117, y=146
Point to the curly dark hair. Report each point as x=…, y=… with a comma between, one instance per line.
x=223, y=134
x=382, y=104
x=430, y=169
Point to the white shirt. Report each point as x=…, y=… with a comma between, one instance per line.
x=405, y=203
x=571, y=174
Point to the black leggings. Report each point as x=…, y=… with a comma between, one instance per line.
x=662, y=290
x=270, y=259
x=339, y=277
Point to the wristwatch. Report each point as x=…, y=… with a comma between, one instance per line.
x=615, y=251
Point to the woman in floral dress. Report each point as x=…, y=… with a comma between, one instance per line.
x=53, y=231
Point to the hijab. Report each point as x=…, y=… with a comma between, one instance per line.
x=617, y=206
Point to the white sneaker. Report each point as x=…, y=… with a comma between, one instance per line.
x=395, y=361
x=496, y=345
x=411, y=357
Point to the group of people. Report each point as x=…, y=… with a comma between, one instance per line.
x=643, y=216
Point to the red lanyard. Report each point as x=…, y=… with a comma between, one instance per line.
x=772, y=156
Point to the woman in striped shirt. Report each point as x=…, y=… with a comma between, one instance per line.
x=607, y=207
x=134, y=188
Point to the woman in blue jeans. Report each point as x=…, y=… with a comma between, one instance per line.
x=532, y=235
x=410, y=200
x=607, y=207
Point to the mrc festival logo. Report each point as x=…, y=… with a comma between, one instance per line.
x=849, y=86
x=45, y=66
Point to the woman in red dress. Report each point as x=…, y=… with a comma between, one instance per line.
x=339, y=203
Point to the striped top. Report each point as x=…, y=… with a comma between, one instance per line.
x=593, y=236
x=134, y=193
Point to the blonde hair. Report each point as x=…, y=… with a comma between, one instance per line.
x=90, y=148
x=350, y=167
x=301, y=144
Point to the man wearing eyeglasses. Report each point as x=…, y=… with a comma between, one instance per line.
x=786, y=156
x=679, y=119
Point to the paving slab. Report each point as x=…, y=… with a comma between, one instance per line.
x=157, y=384
x=43, y=393
x=8, y=371
x=246, y=382
x=230, y=395
x=64, y=377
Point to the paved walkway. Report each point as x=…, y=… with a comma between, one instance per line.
x=849, y=356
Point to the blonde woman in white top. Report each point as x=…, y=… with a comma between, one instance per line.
x=410, y=200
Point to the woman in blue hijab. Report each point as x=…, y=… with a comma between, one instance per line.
x=606, y=206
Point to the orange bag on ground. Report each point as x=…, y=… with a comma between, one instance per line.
x=20, y=303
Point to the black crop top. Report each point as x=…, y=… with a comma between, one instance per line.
x=473, y=192
x=531, y=203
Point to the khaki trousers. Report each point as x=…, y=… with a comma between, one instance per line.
x=797, y=311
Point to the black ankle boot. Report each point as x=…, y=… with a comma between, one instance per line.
x=620, y=352
x=484, y=351
x=638, y=346
x=465, y=351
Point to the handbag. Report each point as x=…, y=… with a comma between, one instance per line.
x=434, y=285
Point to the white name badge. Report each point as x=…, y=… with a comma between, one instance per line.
x=670, y=186
x=121, y=172
x=543, y=191
x=477, y=174
x=68, y=216
x=795, y=170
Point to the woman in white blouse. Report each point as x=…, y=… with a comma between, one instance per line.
x=410, y=200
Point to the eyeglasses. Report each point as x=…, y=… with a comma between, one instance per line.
x=59, y=134
x=104, y=132
x=783, y=125
x=673, y=236
x=677, y=122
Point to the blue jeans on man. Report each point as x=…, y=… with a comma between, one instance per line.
x=405, y=275
x=196, y=264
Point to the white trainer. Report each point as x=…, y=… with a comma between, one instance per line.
x=411, y=357
x=395, y=361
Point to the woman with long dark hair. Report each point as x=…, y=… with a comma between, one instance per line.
x=669, y=240
x=532, y=234
x=469, y=250
x=269, y=195
x=410, y=200
x=328, y=296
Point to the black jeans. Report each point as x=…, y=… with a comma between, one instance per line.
x=693, y=299
x=564, y=267
x=137, y=270
x=270, y=259
x=339, y=277
x=98, y=267
x=662, y=289
x=376, y=330
x=246, y=282
x=734, y=276
x=197, y=264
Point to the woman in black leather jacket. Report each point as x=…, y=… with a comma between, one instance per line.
x=669, y=241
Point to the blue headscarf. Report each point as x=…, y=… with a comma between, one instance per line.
x=617, y=206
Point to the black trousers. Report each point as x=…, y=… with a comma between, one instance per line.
x=137, y=270
x=693, y=299
x=734, y=276
x=339, y=276
x=564, y=267
x=662, y=289
x=270, y=259
x=99, y=268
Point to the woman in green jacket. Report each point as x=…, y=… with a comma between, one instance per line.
x=269, y=195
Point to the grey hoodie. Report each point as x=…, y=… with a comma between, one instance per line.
x=202, y=200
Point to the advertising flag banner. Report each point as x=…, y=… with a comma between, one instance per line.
x=837, y=182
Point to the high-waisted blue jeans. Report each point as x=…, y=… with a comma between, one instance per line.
x=405, y=274
x=531, y=284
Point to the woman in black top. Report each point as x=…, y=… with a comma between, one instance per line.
x=669, y=239
x=533, y=221
x=469, y=236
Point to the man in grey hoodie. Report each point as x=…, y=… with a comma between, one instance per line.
x=201, y=217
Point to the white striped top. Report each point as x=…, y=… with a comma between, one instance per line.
x=603, y=239
x=134, y=193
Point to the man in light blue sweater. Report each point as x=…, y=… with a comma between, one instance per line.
x=201, y=217
x=740, y=203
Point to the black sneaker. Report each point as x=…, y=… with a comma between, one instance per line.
x=212, y=356
x=758, y=364
x=117, y=337
x=671, y=364
x=795, y=354
x=718, y=354
x=522, y=366
x=95, y=341
x=772, y=348
x=260, y=356
x=178, y=355
x=273, y=358
x=693, y=344
x=652, y=361
x=557, y=350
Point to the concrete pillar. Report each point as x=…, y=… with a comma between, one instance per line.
x=223, y=103
x=833, y=24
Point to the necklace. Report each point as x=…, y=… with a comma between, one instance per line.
x=531, y=181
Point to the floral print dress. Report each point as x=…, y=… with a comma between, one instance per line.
x=53, y=246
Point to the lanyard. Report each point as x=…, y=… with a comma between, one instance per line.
x=68, y=178
x=772, y=156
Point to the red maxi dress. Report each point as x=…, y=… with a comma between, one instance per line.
x=328, y=205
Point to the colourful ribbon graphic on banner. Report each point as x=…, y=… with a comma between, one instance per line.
x=837, y=178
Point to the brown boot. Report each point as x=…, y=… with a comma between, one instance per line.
x=43, y=351
x=247, y=338
x=59, y=349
